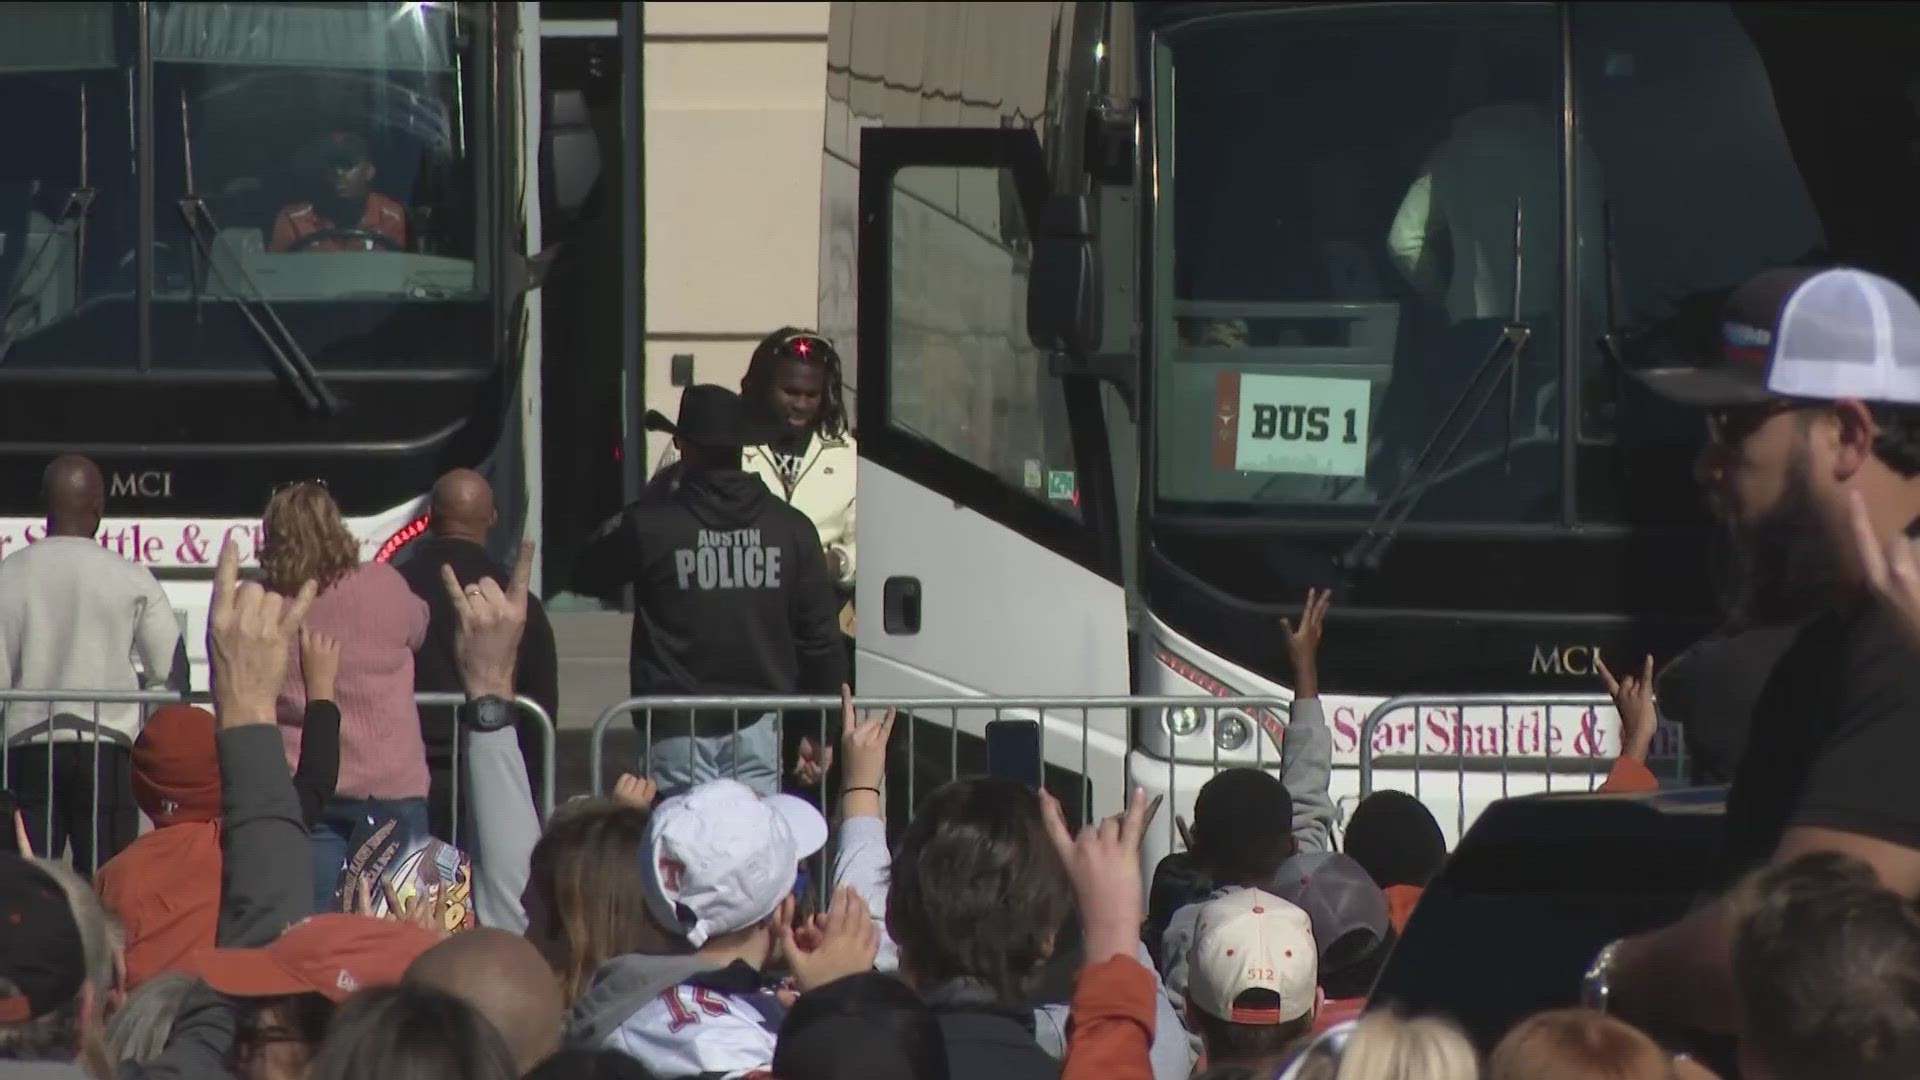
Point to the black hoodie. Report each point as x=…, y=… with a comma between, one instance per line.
x=731, y=591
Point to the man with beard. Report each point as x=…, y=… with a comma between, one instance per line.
x=346, y=214
x=1814, y=401
x=1710, y=690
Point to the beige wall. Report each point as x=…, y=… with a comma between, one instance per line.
x=735, y=103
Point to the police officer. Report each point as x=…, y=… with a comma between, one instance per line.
x=732, y=595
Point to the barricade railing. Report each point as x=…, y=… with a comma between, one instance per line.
x=75, y=718
x=549, y=748
x=1528, y=738
x=1099, y=731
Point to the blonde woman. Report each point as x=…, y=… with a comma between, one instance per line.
x=1382, y=1046
x=378, y=622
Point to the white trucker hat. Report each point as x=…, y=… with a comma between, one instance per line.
x=1246, y=939
x=720, y=858
x=1820, y=335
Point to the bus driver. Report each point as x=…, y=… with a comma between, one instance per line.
x=350, y=216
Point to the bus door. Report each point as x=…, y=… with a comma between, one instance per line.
x=988, y=543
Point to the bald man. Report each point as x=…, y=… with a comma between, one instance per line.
x=463, y=515
x=504, y=977
x=60, y=590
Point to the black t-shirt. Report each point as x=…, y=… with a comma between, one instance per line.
x=1712, y=689
x=1836, y=735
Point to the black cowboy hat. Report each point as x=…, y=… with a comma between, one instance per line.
x=716, y=416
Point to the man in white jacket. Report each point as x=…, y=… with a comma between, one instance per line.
x=73, y=617
x=795, y=375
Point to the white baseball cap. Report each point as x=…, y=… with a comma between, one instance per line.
x=720, y=858
x=1809, y=334
x=1246, y=939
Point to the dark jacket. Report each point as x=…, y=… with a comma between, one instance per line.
x=536, y=675
x=986, y=1038
x=731, y=591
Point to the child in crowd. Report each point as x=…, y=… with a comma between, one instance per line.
x=1254, y=987
x=719, y=864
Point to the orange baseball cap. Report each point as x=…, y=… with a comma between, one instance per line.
x=333, y=955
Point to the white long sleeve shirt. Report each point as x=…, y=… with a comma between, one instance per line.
x=1496, y=158
x=74, y=617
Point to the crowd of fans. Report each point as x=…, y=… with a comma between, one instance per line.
x=675, y=934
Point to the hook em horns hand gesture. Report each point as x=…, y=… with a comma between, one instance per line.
x=250, y=633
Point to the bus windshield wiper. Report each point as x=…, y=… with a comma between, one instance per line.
x=77, y=208
x=288, y=358
x=1502, y=362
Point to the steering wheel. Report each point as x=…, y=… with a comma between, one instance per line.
x=363, y=236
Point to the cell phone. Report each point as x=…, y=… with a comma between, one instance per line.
x=1013, y=751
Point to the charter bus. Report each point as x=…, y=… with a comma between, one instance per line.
x=1165, y=313
x=171, y=310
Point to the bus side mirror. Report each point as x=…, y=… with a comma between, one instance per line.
x=1063, y=298
x=1063, y=286
x=529, y=273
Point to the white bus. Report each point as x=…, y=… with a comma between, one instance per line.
x=1165, y=313
x=161, y=317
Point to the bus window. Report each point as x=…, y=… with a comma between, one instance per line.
x=321, y=158
x=1337, y=254
x=67, y=194
x=964, y=375
x=1734, y=138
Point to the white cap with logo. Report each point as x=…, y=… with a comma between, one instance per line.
x=1246, y=939
x=719, y=858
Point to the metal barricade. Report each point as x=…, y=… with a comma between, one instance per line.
x=549, y=741
x=1532, y=749
x=1102, y=747
x=64, y=726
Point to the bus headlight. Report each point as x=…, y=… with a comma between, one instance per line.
x=1181, y=722
x=1232, y=731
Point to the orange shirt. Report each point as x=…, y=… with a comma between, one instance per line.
x=382, y=216
x=1111, y=1036
x=1401, y=900
x=165, y=887
x=1630, y=777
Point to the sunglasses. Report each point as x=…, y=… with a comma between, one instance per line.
x=289, y=485
x=1730, y=425
x=805, y=346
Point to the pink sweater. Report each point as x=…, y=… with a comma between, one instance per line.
x=378, y=622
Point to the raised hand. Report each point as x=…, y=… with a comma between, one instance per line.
x=319, y=664
x=635, y=791
x=1104, y=865
x=426, y=910
x=486, y=644
x=863, y=743
x=814, y=761
x=848, y=943
x=1633, y=700
x=251, y=632
x=1303, y=642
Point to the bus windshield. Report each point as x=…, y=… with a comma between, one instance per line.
x=318, y=162
x=1357, y=203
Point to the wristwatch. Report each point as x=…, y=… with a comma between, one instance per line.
x=488, y=713
x=1596, y=987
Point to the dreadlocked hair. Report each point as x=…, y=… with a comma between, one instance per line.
x=766, y=359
